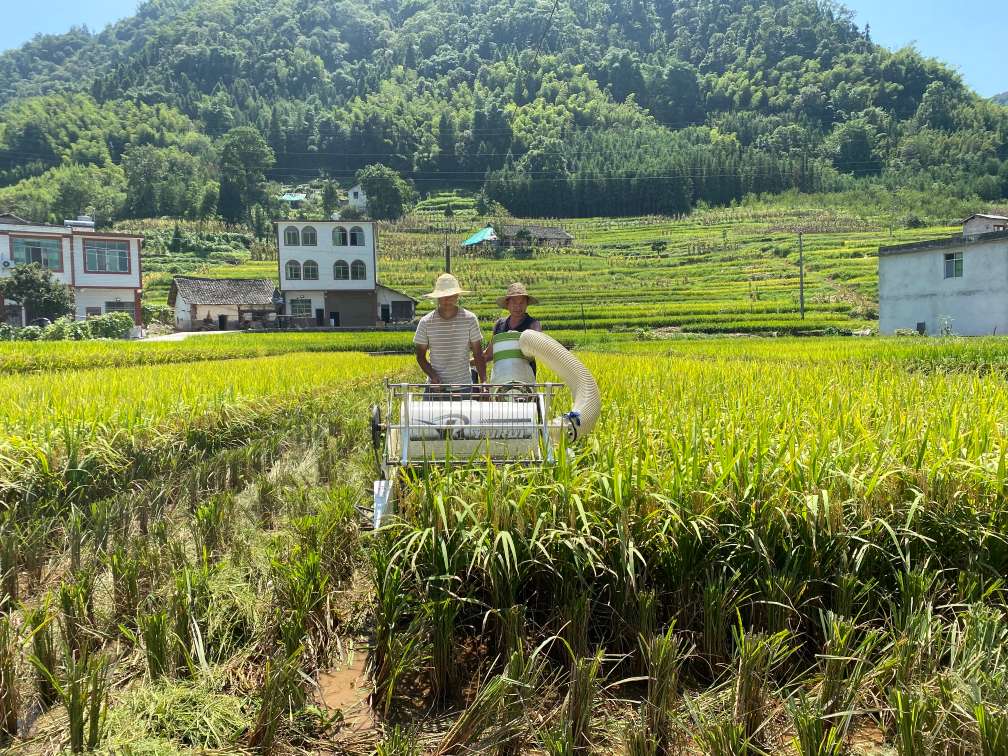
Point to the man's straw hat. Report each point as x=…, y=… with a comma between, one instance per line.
x=445, y=286
x=516, y=290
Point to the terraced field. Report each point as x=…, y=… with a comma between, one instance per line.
x=716, y=271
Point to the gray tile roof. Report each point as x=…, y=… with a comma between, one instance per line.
x=222, y=291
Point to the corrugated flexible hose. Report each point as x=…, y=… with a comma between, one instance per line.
x=584, y=390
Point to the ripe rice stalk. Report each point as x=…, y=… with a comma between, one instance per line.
x=39, y=620
x=9, y=696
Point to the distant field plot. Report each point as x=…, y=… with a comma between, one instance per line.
x=716, y=271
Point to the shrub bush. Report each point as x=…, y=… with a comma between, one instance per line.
x=29, y=333
x=7, y=333
x=111, y=325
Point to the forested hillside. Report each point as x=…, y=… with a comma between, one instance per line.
x=581, y=108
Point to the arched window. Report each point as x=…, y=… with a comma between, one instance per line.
x=356, y=236
x=341, y=271
x=358, y=272
x=309, y=238
x=310, y=270
x=291, y=236
x=293, y=270
x=339, y=237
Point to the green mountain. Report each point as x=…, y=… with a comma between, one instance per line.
x=585, y=108
x=1001, y=99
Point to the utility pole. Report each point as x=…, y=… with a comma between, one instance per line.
x=801, y=276
x=447, y=254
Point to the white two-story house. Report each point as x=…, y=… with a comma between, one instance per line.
x=102, y=268
x=328, y=275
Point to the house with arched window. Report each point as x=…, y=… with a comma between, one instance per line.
x=328, y=273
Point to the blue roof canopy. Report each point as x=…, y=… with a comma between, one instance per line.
x=483, y=235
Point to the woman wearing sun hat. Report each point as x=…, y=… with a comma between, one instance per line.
x=516, y=301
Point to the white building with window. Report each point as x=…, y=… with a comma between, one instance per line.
x=102, y=268
x=328, y=275
x=356, y=198
x=957, y=285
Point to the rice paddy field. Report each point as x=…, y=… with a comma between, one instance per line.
x=726, y=270
x=767, y=546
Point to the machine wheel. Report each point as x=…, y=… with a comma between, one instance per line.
x=377, y=436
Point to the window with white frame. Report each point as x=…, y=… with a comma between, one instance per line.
x=106, y=256
x=356, y=236
x=358, y=271
x=309, y=238
x=292, y=270
x=309, y=271
x=301, y=307
x=292, y=237
x=45, y=252
x=341, y=271
x=339, y=237
x=953, y=264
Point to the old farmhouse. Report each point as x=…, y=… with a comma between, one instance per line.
x=102, y=268
x=957, y=285
x=512, y=235
x=222, y=303
x=329, y=275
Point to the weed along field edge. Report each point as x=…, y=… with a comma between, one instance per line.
x=765, y=546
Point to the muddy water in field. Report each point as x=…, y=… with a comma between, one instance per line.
x=345, y=688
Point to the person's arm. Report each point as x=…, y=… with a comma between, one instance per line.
x=535, y=325
x=422, y=361
x=478, y=358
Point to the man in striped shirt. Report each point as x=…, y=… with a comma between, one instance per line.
x=446, y=336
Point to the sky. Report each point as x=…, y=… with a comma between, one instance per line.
x=968, y=35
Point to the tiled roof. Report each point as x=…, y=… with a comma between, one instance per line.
x=536, y=232
x=222, y=291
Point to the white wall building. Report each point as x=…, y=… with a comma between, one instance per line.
x=356, y=198
x=102, y=268
x=960, y=284
x=328, y=275
x=221, y=303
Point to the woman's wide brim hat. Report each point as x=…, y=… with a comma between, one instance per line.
x=516, y=290
x=445, y=286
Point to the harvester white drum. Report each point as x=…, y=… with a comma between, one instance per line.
x=510, y=421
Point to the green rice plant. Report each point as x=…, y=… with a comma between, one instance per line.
x=725, y=737
x=845, y=663
x=757, y=657
x=9, y=696
x=664, y=656
x=77, y=621
x=992, y=729
x=302, y=590
x=158, y=640
x=398, y=741
x=639, y=742
x=125, y=569
x=445, y=676
x=282, y=696
x=914, y=720
x=720, y=601
x=574, y=613
x=513, y=630
x=39, y=620
x=579, y=706
x=212, y=525
x=9, y=550
x=814, y=734
x=393, y=652
x=267, y=501
x=75, y=537
x=84, y=690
